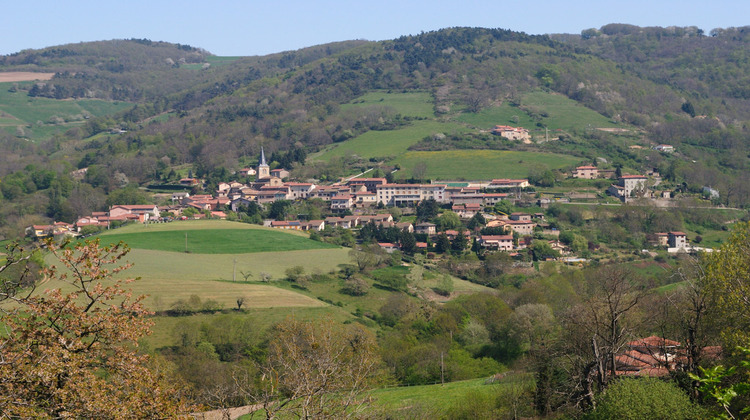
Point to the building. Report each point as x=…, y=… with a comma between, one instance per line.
x=511, y=133
x=409, y=194
x=677, y=240
x=426, y=228
x=246, y=172
x=629, y=186
x=522, y=227
x=369, y=183
x=341, y=202
x=586, y=172
x=264, y=171
x=280, y=173
x=664, y=148
x=509, y=183
x=300, y=190
x=497, y=242
x=144, y=211
x=524, y=217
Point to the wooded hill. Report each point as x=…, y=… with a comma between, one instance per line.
x=192, y=109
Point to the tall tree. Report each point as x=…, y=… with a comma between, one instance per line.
x=74, y=354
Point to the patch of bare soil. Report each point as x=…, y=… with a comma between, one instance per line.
x=23, y=76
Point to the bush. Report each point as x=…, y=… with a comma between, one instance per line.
x=645, y=398
x=355, y=286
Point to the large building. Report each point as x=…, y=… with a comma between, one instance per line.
x=409, y=194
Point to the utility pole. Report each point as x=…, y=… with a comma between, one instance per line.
x=234, y=270
x=442, y=370
x=186, y=242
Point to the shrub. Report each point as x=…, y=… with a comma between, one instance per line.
x=645, y=398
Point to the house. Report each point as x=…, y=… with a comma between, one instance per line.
x=661, y=239
x=287, y=225
x=301, y=190
x=376, y=218
x=466, y=211
x=369, y=183
x=677, y=240
x=586, y=172
x=496, y=242
x=405, y=226
x=280, y=173
x=316, y=225
x=512, y=133
x=365, y=199
x=179, y=196
x=144, y=211
x=524, y=217
x=651, y=356
x=189, y=182
x=341, y=202
x=509, y=183
x=388, y=247
x=664, y=148
x=522, y=227
x=246, y=172
x=629, y=186
x=426, y=228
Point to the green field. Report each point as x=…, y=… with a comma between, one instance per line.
x=439, y=398
x=565, y=113
x=482, y=164
x=169, y=276
x=218, y=241
x=21, y=110
x=497, y=115
x=412, y=104
x=391, y=143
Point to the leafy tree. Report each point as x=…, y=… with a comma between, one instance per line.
x=460, y=242
x=443, y=244
x=448, y=220
x=728, y=284
x=408, y=242
x=75, y=354
x=427, y=210
x=128, y=195
x=318, y=369
x=645, y=398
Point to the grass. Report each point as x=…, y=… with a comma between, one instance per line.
x=163, y=331
x=217, y=241
x=412, y=104
x=28, y=110
x=483, y=164
x=391, y=143
x=565, y=113
x=440, y=398
x=498, y=115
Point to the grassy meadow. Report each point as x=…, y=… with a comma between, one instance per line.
x=482, y=164
x=393, y=143
x=411, y=104
x=18, y=109
x=167, y=276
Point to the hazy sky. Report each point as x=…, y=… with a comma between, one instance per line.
x=255, y=27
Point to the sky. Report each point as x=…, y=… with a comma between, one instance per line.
x=255, y=27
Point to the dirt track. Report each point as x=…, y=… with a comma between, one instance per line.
x=23, y=76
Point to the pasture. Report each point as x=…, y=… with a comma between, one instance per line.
x=482, y=164
x=168, y=276
x=411, y=104
x=390, y=144
x=36, y=114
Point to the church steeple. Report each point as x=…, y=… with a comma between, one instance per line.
x=262, y=157
x=264, y=171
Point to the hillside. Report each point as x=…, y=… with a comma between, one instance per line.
x=355, y=105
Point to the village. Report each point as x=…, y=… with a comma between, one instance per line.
x=355, y=202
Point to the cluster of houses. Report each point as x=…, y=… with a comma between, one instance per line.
x=656, y=357
x=627, y=187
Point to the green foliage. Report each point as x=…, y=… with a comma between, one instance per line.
x=714, y=385
x=128, y=195
x=645, y=398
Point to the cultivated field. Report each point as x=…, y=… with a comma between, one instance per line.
x=483, y=164
x=411, y=104
x=23, y=76
x=391, y=143
x=169, y=276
